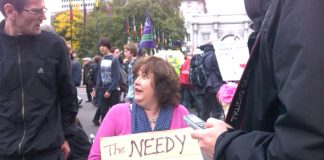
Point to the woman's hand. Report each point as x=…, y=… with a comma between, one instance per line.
x=207, y=137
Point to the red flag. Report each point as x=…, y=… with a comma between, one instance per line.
x=134, y=27
x=108, y=10
x=127, y=26
x=141, y=29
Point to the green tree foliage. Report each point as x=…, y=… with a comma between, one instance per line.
x=100, y=25
x=165, y=16
x=63, y=28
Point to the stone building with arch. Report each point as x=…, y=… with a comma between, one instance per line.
x=214, y=20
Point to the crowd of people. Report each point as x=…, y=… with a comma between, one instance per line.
x=155, y=93
x=274, y=112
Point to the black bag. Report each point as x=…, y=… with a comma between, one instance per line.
x=123, y=81
x=235, y=116
x=80, y=145
x=89, y=77
x=198, y=74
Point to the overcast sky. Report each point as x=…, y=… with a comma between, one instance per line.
x=225, y=6
x=50, y=3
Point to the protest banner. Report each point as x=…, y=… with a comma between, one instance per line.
x=171, y=144
x=232, y=57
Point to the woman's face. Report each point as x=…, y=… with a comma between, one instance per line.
x=144, y=90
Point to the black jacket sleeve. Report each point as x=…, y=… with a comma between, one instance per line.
x=67, y=93
x=76, y=72
x=214, y=77
x=115, y=75
x=292, y=49
x=98, y=77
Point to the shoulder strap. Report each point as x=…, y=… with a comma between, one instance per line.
x=235, y=116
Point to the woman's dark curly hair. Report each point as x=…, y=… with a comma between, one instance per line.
x=165, y=80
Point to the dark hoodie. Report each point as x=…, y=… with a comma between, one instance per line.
x=256, y=10
x=214, y=77
x=284, y=98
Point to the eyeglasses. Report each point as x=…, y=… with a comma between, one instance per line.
x=36, y=11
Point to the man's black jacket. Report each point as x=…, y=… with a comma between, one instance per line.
x=285, y=103
x=37, y=95
x=214, y=77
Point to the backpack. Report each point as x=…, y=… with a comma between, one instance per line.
x=184, y=73
x=198, y=74
x=123, y=80
x=79, y=143
x=89, y=77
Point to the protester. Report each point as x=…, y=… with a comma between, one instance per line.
x=211, y=107
x=130, y=50
x=79, y=143
x=115, y=51
x=155, y=108
x=76, y=72
x=175, y=57
x=187, y=88
x=88, y=67
x=48, y=28
x=76, y=69
x=107, y=84
x=93, y=78
x=123, y=87
x=284, y=95
x=256, y=11
x=38, y=97
x=225, y=95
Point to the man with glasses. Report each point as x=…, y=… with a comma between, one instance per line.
x=37, y=95
x=36, y=11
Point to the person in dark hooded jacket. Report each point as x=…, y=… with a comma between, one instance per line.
x=283, y=116
x=211, y=107
x=256, y=10
x=76, y=69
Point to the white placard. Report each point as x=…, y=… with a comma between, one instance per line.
x=232, y=57
x=171, y=145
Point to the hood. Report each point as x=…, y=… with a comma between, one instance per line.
x=256, y=10
x=206, y=47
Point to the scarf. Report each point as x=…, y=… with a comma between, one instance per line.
x=140, y=122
